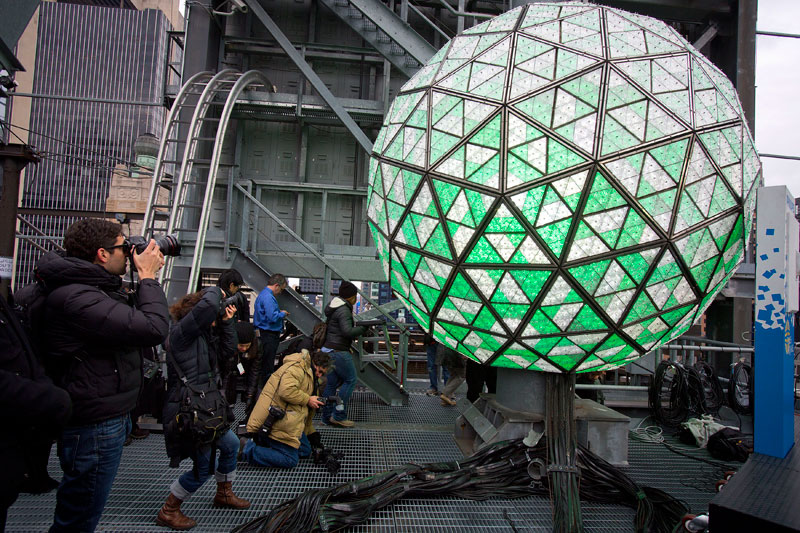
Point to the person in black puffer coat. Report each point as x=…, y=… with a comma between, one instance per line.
x=35, y=409
x=199, y=338
x=339, y=336
x=95, y=334
x=249, y=356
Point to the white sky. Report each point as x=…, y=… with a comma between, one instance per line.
x=778, y=91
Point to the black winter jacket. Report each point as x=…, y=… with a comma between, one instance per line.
x=341, y=331
x=198, y=349
x=34, y=409
x=96, y=333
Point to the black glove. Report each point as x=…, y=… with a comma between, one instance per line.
x=315, y=439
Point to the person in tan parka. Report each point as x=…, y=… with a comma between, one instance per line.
x=291, y=388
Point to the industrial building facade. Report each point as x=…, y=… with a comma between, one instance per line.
x=98, y=83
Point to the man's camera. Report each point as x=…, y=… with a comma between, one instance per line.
x=330, y=400
x=275, y=414
x=331, y=459
x=169, y=244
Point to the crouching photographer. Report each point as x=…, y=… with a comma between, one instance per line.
x=197, y=418
x=281, y=420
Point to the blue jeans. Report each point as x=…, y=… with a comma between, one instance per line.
x=277, y=454
x=187, y=483
x=433, y=369
x=344, y=376
x=89, y=457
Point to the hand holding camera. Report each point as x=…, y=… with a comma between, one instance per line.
x=314, y=402
x=148, y=256
x=148, y=261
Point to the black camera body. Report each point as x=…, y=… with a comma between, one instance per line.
x=331, y=459
x=169, y=244
x=275, y=413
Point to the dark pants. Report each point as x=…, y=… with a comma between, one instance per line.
x=477, y=375
x=269, y=341
x=277, y=454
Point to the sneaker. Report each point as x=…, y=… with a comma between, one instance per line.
x=449, y=402
x=432, y=392
x=341, y=423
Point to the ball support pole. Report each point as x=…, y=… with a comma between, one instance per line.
x=562, y=441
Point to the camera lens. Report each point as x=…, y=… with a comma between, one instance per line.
x=169, y=245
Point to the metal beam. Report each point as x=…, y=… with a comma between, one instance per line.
x=310, y=75
x=707, y=36
x=779, y=34
x=86, y=99
x=779, y=156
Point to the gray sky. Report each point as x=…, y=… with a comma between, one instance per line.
x=778, y=91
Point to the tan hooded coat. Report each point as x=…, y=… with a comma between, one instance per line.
x=289, y=388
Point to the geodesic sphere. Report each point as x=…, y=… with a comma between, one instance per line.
x=562, y=188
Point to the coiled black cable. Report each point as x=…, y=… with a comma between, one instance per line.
x=668, y=395
x=740, y=388
x=713, y=396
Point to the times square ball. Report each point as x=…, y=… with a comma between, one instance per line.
x=562, y=188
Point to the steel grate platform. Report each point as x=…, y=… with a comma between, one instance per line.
x=383, y=438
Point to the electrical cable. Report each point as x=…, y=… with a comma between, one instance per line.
x=740, y=387
x=499, y=470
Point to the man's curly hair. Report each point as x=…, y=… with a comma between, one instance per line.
x=84, y=237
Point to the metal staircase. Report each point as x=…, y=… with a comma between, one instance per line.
x=371, y=373
x=385, y=31
x=180, y=202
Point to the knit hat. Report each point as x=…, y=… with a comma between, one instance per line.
x=347, y=290
x=245, y=332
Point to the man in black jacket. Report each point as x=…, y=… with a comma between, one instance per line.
x=339, y=336
x=34, y=409
x=95, y=335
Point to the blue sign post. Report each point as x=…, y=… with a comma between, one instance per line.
x=776, y=301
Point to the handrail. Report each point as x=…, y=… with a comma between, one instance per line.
x=316, y=254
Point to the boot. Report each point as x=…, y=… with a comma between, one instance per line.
x=226, y=498
x=171, y=516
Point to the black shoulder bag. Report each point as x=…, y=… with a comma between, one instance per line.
x=203, y=416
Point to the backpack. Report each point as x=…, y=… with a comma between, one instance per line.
x=729, y=444
x=30, y=303
x=318, y=334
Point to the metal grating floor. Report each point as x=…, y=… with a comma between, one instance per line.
x=384, y=437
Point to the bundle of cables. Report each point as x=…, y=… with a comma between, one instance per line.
x=508, y=469
x=677, y=391
x=740, y=388
x=713, y=396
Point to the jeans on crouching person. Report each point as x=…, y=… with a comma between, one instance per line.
x=276, y=454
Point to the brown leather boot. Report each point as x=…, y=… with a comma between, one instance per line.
x=171, y=516
x=226, y=498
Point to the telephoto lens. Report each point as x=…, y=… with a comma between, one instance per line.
x=168, y=244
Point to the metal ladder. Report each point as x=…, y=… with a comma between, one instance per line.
x=187, y=210
x=385, y=31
